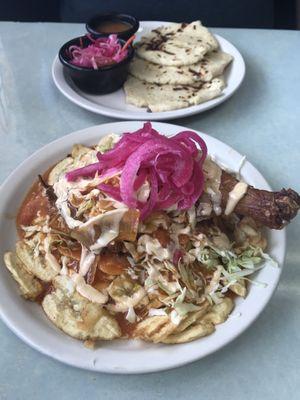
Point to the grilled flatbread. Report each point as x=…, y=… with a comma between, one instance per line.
x=165, y=98
x=212, y=65
x=177, y=44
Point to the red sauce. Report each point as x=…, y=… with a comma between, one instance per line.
x=230, y=294
x=126, y=327
x=34, y=202
x=112, y=263
x=184, y=240
x=47, y=289
x=100, y=281
x=162, y=236
x=113, y=26
x=73, y=251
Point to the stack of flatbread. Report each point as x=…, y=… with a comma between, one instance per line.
x=176, y=66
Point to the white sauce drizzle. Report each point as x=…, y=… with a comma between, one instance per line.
x=213, y=174
x=175, y=317
x=131, y=315
x=88, y=291
x=126, y=302
x=86, y=261
x=236, y=194
x=153, y=312
x=64, y=270
x=49, y=257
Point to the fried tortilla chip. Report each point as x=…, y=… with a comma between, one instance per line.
x=77, y=316
x=30, y=287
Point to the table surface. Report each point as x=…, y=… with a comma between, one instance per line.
x=262, y=121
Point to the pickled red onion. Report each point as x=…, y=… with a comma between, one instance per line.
x=100, y=52
x=178, y=254
x=171, y=165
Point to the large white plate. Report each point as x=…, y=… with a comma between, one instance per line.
x=27, y=319
x=114, y=104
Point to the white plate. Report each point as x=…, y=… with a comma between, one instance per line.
x=114, y=104
x=27, y=319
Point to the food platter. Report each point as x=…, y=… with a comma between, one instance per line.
x=114, y=105
x=28, y=321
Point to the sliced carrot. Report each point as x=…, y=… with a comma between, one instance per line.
x=129, y=41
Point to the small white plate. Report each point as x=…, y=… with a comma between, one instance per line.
x=114, y=104
x=27, y=319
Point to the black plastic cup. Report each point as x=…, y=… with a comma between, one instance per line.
x=106, y=79
x=94, y=22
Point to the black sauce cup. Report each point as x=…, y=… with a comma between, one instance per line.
x=104, y=80
x=94, y=22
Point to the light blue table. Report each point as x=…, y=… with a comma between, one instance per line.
x=262, y=120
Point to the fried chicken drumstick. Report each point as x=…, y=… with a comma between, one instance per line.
x=271, y=209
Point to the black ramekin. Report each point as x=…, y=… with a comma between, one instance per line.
x=106, y=79
x=92, y=24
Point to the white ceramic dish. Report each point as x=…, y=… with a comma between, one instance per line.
x=27, y=319
x=114, y=104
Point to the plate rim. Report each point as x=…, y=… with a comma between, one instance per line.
x=76, y=98
x=9, y=320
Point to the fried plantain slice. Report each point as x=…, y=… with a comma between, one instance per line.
x=38, y=266
x=126, y=293
x=239, y=288
x=29, y=286
x=154, y=329
x=193, y=332
x=200, y=323
x=77, y=316
x=193, y=317
x=219, y=312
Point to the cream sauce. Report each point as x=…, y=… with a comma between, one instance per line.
x=234, y=196
x=88, y=291
x=86, y=261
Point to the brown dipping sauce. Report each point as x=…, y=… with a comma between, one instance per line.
x=113, y=26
